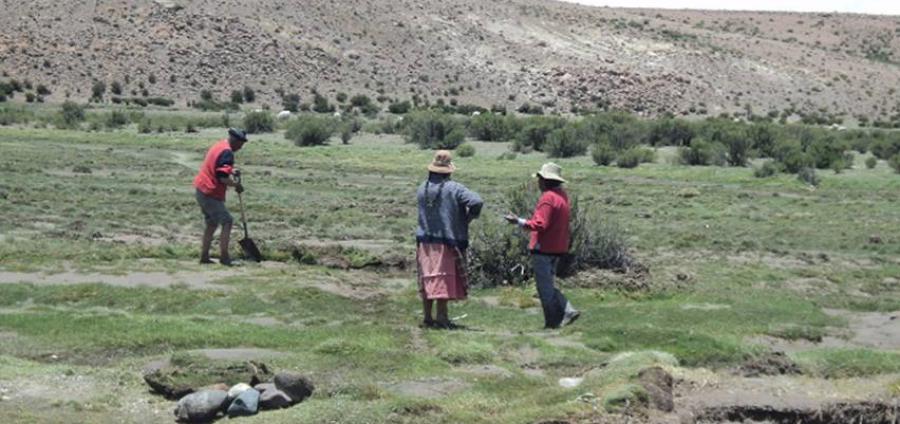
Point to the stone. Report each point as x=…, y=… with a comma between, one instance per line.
x=237, y=389
x=296, y=386
x=658, y=385
x=263, y=387
x=246, y=403
x=274, y=399
x=201, y=406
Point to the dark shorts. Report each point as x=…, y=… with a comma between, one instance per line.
x=214, y=211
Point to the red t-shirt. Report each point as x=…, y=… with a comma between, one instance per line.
x=550, y=223
x=219, y=162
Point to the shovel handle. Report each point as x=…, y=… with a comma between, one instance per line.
x=243, y=219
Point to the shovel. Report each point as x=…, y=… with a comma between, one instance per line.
x=247, y=245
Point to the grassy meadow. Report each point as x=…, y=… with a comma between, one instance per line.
x=99, y=276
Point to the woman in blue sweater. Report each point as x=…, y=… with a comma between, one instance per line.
x=445, y=209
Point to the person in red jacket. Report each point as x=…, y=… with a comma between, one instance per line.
x=216, y=174
x=549, y=226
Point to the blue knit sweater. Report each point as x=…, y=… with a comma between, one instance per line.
x=445, y=209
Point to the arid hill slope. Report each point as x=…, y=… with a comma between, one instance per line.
x=501, y=52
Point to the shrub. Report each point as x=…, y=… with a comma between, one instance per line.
x=310, y=130
x=768, y=169
x=493, y=127
x=790, y=154
x=115, y=88
x=359, y=100
x=399, y=107
x=116, y=119
x=702, y=153
x=634, y=156
x=808, y=175
x=433, y=130
x=534, y=133
x=30, y=97
x=498, y=254
x=237, y=96
x=97, y=90
x=321, y=104
x=603, y=154
x=738, y=146
x=346, y=133
x=827, y=152
x=159, y=101
x=762, y=139
x=670, y=132
x=530, y=109
x=71, y=115
x=259, y=122
x=290, y=102
x=465, y=150
x=249, y=94
x=565, y=142
x=894, y=162
x=42, y=90
x=871, y=162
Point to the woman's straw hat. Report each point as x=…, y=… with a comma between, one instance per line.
x=442, y=163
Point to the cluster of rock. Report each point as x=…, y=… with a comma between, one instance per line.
x=285, y=390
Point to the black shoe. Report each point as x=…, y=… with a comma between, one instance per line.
x=569, y=318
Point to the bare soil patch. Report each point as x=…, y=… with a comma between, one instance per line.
x=433, y=388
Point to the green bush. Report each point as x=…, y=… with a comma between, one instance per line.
x=894, y=162
x=249, y=94
x=465, y=150
x=603, y=154
x=237, y=96
x=346, y=133
x=738, y=145
x=116, y=119
x=310, y=130
x=71, y=115
x=634, y=156
x=789, y=152
x=321, y=104
x=258, y=122
x=762, y=139
x=871, y=162
x=702, y=153
x=493, y=127
x=565, y=142
x=808, y=175
x=433, y=130
x=400, y=107
x=670, y=132
x=534, y=133
x=769, y=168
x=290, y=102
x=827, y=152
x=42, y=90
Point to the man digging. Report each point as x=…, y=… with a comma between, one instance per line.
x=216, y=174
x=549, y=226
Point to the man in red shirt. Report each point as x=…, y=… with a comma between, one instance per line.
x=216, y=175
x=549, y=226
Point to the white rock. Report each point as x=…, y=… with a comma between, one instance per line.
x=570, y=382
x=237, y=389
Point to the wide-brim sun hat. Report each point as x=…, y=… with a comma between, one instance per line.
x=550, y=171
x=442, y=163
x=237, y=134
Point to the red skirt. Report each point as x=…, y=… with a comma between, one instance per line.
x=442, y=272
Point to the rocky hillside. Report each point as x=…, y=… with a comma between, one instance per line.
x=505, y=52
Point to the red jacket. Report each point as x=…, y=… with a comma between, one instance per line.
x=219, y=163
x=550, y=223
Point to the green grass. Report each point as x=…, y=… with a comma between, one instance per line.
x=739, y=258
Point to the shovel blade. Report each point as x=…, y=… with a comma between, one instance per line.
x=250, y=250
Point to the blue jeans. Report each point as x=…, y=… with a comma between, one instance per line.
x=552, y=300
